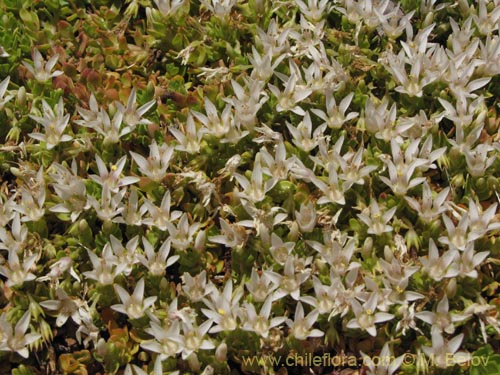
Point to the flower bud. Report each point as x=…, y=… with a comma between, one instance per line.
x=367, y=247
x=458, y=181
x=451, y=288
x=412, y=239
x=294, y=231
x=194, y=363
x=35, y=310
x=429, y=18
x=221, y=352
x=21, y=96
x=199, y=242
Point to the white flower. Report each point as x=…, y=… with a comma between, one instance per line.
x=125, y=255
x=442, y=349
x=478, y=160
x=262, y=284
x=111, y=129
x=313, y=10
x=54, y=124
x=406, y=319
x=90, y=117
x=17, y=340
x=132, y=214
x=481, y=222
x=196, y=287
x=386, y=364
x=301, y=326
x=214, y=125
x=352, y=167
x=333, y=189
x=365, y=316
x=65, y=307
x=309, y=36
x=3, y=88
x=135, y=305
x=303, y=136
x=157, y=368
x=429, y=209
x=277, y=166
x=182, y=234
x=32, y=210
x=157, y=262
x=7, y=211
x=168, y=7
x=469, y=260
x=112, y=179
x=274, y=40
x=324, y=296
x=40, y=72
x=336, y=252
x=57, y=270
x=220, y=8
x=442, y=319
x=189, y=139
x=194, y=338
x=132, y=116
x=167, y=340
x=14, y=239
x=401, y=169
x=160, y=216
x=380, y=121
x=232, y=235
x=291, y=96
x=344, y=294
x=263, y=67
x=306, y=217
x=292, y=279
x=254, y=190
x=105, y=267
x=70, y=188
x=223, y=308
x=110, y=205
x=335, y=115
x=17, y=273
x=247, y=102
x=260, y=323
x=439, y=267
x=394, y=23
x=156, y=165
x=458, y=237
x=280, y=250
x=486, y=22
x=376, y=220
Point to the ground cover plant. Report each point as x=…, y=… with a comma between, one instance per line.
x=249, y=187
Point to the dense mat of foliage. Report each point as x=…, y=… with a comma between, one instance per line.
x=224, y=186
